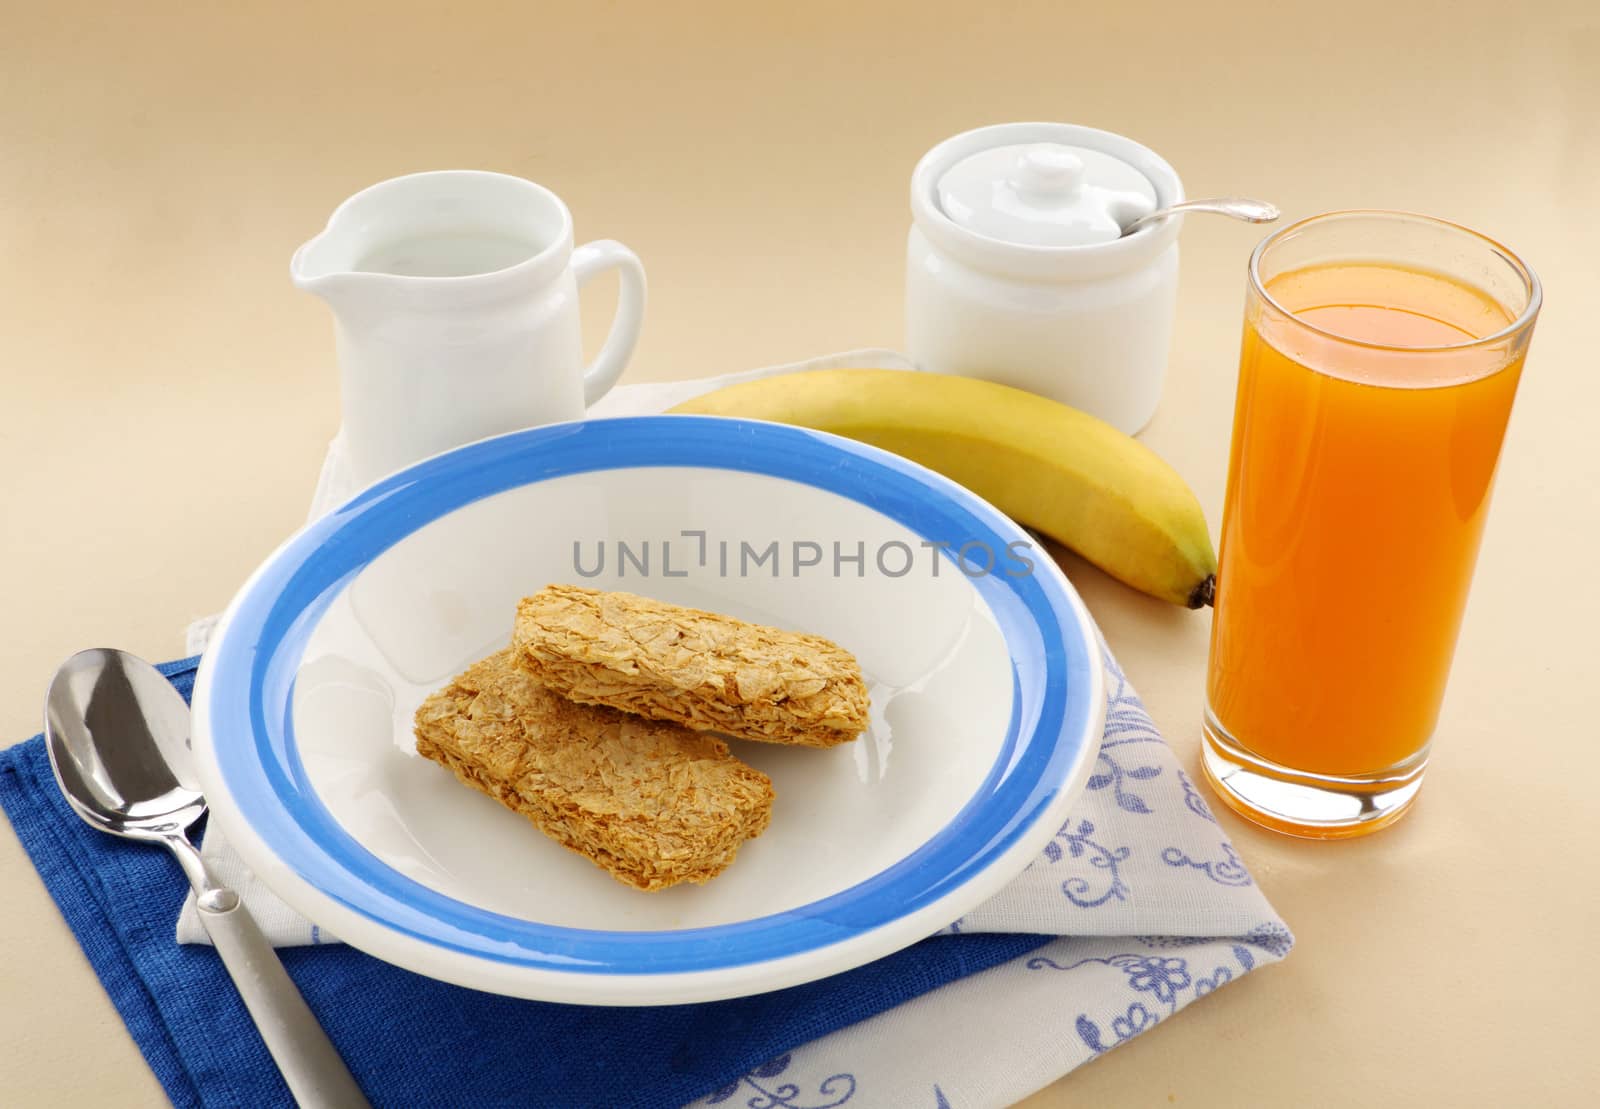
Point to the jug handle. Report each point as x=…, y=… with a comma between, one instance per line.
x=588, y=261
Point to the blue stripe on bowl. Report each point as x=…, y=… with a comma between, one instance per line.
x=253, y=670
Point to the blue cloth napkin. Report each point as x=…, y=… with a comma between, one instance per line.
x=410, y=1040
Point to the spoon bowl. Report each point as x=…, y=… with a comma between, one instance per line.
x=118, y=738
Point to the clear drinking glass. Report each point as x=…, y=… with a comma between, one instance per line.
x=1381, y=356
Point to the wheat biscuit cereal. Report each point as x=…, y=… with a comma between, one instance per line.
x=698, y=669
x=652, y=803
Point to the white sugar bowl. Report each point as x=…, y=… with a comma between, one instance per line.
x=1017, y=270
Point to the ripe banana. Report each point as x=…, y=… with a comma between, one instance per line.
x=1075, y=478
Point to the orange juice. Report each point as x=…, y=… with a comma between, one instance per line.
x=1358, y=484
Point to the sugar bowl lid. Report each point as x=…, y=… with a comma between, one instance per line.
x=1045, y=194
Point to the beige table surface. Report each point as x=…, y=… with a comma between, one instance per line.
x=167, y=397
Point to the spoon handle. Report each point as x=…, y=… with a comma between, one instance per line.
x=1239, y=207
x=315, y=1074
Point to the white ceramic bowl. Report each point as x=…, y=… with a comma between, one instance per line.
x=1089, y=326
x=988, y=700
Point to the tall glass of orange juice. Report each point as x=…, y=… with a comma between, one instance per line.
x=1381, y=356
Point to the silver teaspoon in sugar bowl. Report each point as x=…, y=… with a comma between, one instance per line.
x=1239, y=207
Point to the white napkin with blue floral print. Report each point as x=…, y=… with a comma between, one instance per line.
x=1153, y=905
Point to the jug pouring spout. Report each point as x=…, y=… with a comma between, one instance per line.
x=317, y=268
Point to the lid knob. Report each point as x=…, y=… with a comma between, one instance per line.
x=1048, y=169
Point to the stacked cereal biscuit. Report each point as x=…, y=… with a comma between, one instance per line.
x=592, y=725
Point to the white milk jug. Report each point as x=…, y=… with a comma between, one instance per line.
x=455, y=298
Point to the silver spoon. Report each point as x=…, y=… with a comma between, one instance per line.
x=1251, y=211
x=118, y=735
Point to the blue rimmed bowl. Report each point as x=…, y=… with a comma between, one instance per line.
x=988, y=701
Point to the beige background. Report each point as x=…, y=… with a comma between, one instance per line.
x=167, y=397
